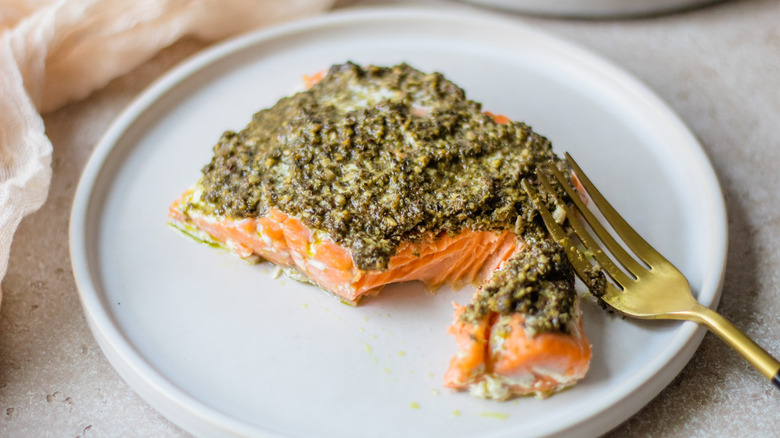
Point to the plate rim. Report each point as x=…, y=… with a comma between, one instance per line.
x=145, y=380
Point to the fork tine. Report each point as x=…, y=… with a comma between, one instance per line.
x=590, y=243
x=632, y=239
x=578, y=261
x=620, y=254
x=582, y=267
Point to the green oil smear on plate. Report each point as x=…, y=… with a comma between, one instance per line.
x=497, y=415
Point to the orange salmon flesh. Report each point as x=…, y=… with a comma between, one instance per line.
x=468, y=257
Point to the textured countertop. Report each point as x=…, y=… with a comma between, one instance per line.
x=718, y=67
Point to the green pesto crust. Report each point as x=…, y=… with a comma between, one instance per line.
x=375, y=156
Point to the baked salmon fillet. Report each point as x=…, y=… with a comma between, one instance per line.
x=377, y=175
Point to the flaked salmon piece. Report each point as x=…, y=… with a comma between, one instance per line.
x=384, y=175
x=530, y=350
x=498, y=358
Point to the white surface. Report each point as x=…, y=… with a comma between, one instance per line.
x=221, y=347
x=592, y=8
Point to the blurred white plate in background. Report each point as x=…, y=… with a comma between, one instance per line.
x=592, y=8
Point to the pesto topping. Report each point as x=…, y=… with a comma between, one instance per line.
x=539, y=283
x=375, y=156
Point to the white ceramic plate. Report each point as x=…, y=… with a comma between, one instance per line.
x=224, y=349
x=592, y=8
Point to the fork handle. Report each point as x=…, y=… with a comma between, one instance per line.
x=757, y=356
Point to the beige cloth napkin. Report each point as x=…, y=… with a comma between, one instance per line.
x=56, y=51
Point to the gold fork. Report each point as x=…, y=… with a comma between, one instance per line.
x=652, y=289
